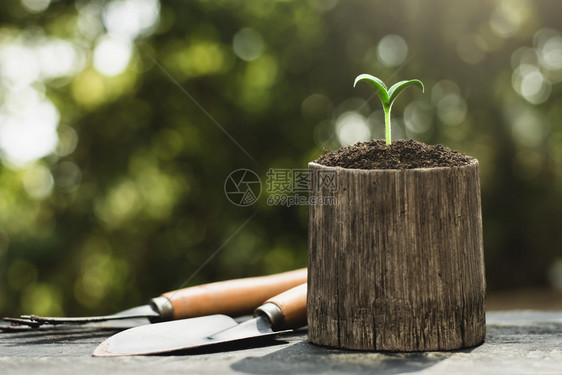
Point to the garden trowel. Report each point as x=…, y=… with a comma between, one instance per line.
x=232, y=297
x=279, y=314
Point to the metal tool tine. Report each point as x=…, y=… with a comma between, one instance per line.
x=22, y=321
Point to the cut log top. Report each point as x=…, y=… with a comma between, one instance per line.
x=473, y=161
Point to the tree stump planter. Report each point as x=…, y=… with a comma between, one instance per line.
x=396, y=264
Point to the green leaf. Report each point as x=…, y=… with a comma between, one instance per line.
x=378, y=85
x=387, y=96
x=397, y=88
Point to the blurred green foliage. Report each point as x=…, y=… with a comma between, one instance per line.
x=129, y=201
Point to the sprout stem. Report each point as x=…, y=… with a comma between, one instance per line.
x=387, y=123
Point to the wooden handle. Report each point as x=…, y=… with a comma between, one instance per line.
x=292, y=304
x=233, y=297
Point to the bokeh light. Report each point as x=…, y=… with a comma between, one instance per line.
x=528, y=127
x=67, y=176
x=128, y=19
x=38, y=181
x=392, y=50
x=550, y=50
x=58, y=58
x=28, y=123
x=248, y=44
x=418, y=118
x=509, y=17
x=548, y=44
x=36, y=6
x=43, y=298
x=529, y=82
x=352, y=127
x=112, y=55
x=451, y=106
x=19, y=68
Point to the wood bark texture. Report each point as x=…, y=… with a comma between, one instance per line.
x=396, y=264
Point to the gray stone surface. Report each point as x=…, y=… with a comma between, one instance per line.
x=517, y=342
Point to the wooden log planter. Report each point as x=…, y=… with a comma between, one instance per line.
x=396, y=264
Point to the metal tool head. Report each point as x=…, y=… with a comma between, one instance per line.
x=34, y=321
x=183, y=334
x=163, y=337
x=21, y=321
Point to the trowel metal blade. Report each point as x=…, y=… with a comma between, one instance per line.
x=163, y=337
x=183, y=334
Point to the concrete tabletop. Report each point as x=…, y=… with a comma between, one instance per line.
x=517, y=342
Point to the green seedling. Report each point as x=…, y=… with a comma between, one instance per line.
x=387, y=96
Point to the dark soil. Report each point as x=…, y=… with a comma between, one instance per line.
x=400, y=154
